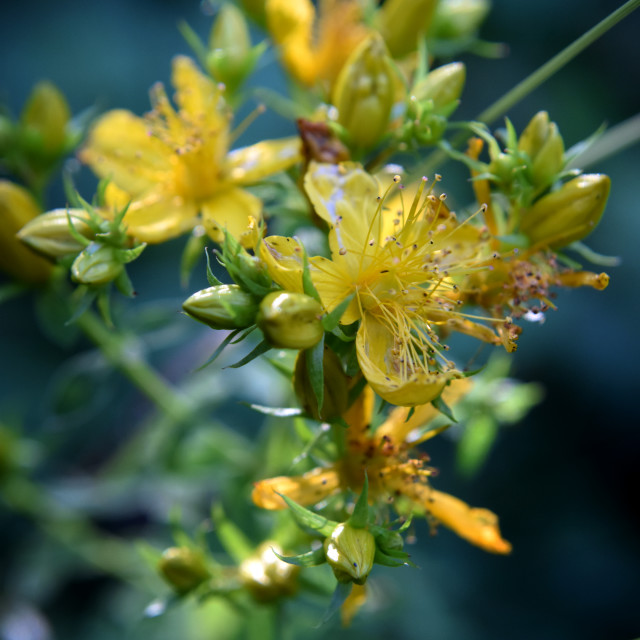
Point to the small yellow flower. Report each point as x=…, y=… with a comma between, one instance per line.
x=175, y=166
x=391, y=471
x=314, y=47
x=401, y=267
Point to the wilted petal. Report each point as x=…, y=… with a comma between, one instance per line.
x=284, y=259
x=312, y=487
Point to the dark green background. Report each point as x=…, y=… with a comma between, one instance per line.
x=564, y=482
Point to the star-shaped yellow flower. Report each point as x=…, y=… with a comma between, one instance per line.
x=401, y=266
x=175, y=166
x=392, y=472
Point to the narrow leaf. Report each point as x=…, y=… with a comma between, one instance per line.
x=211, y=279
x=443, y=408
x=360, y=516
x=262, y=347
x=315, y=370
x=307, y=283
x=331, y=320
x=220, y=348
x=312, y=558
x=309, y=519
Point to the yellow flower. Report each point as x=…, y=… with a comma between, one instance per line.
x=175, y=166
x=315, y=47
x=401, y=267
x=392, y=472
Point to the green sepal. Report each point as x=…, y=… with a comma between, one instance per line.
x=75, y=234
x=193, y=40
x=313, y=558
x=124, y=285
x=309, y=519
x=129, y=255
x=315, y=369
x=104, y=306
x=338, y=598
x=331, y=320
x=387, y=561
x=211, y=279
x=261, y=348
x=439, y=404
x=82, y=298
x=220, y=348
x=307, y=283
x=360, y=516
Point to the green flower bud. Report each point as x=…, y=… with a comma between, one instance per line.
x=291, y=320
x=402, y=23
x=364, y=92
x=336, y=395
x=442, y=85
x=47, y=114
x=231, y=57
x=225, y=306
x=542, y=142
x=267, y=577
x=350, y=553
x=49, y=233
x=97, y=264
x=569, y=214
x=458, y=19
x=183, y=568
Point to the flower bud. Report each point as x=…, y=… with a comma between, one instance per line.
x=183, y=568
x=49, y=233
x=458, y=19
x=402, y=22
x=47, y=114
x=364, y=92
x=442, y=85
x=17, y=208
x=542, y=142
x=291, y=320
x=336, y=386
x=225, y=306
x=231, y=57
x=97, y=264
x=350, y=553
x=267, y=577
x=569, y=214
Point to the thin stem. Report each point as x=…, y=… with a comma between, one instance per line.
x=531, y=82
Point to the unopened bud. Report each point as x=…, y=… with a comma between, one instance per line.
x=47, y=114
x=97, y=264
x=291, y=320
x=402, y=22
x=225, y=306
x=350, y=553
x=267, y=577
x=458, y=19
x=569, y=214
x=542, y=142
x=49, y=233
x=336, y=396
x=442, y=85
x=364, y=92
x=17, y=208
x=183, y=568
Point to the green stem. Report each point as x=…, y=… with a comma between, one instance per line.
x=531, y=82
x=124, y=355
x=106, y=553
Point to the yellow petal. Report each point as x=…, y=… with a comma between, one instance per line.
x=159, y=217
x=283, y=257
x=121, y=148
x=334, y=285
x=358, y=417
x=198, y=97
x=313, y=486
x=409, y=383
x=345, y=196
x=478, y=526
x=250, y=164
x=352, y=604
x=397, y=427
x=235, y=210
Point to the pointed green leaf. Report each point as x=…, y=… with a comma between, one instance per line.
x=211, y=279
x=360, y=516
x=104, y=306
x=312, y=558
x=309, y=519
x=443, y=408
x=124, y=285
x=387, y=561
x=220, y=348
x=307, y=283
x=261, y=348
x=330, y=320
x=315, y=370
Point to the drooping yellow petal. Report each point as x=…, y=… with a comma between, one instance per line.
x=334, y=285
x=478, y=526
x=309, y=488
x=121, y=148
x=159, y=217
x=395, y=369
x=235, y=210
x=253, y=163
x=352, y=604
x=358, y=417
x=346, y=197
x=397, y=427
